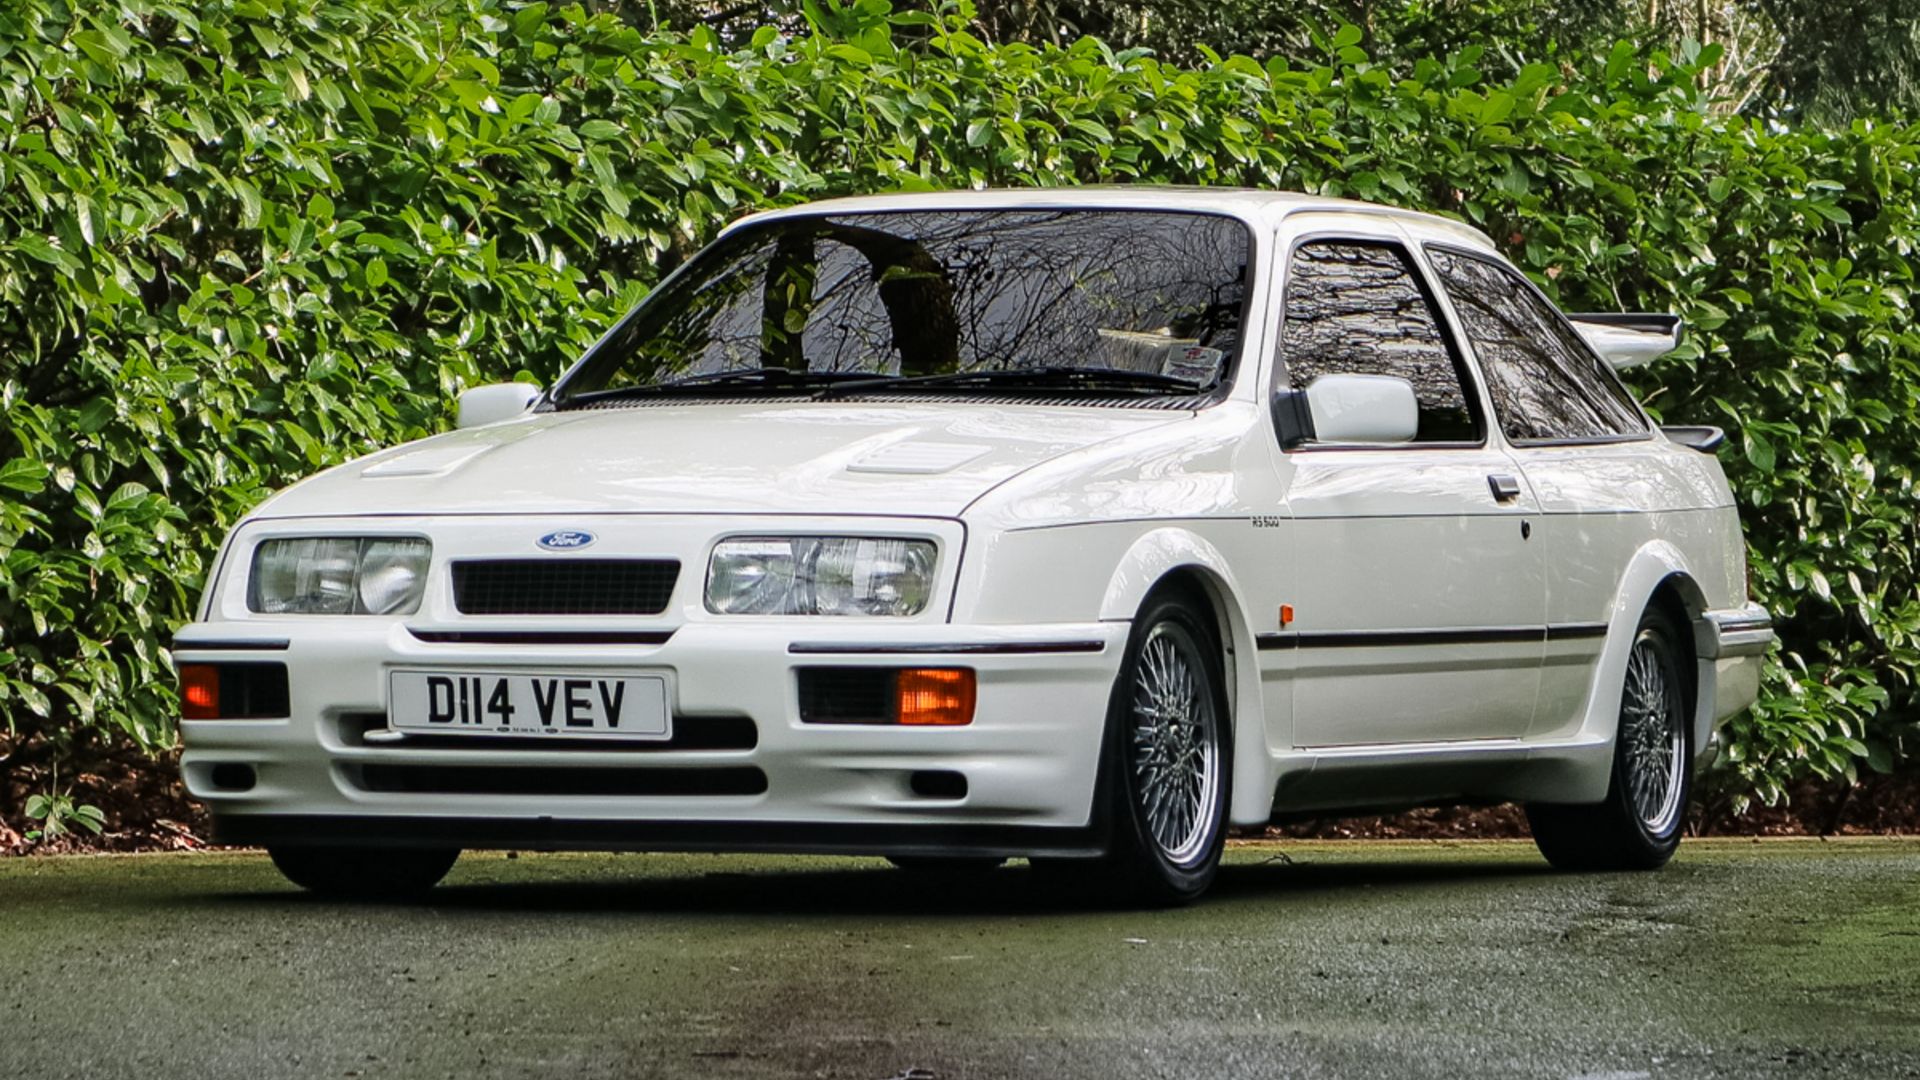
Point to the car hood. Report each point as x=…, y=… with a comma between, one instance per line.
x=816, y=458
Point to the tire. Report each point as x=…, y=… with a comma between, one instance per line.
x=947, y=865
x=349, y=873
x=1638, y=825
x=1166, y=763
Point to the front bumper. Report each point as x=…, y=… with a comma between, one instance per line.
x=325, y=774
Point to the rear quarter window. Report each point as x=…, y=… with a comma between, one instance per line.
x=1546, y=384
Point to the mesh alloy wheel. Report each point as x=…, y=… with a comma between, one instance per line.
x=1166, y=764
x=1653, y=736
x=1637, y=825
x=1174, y=749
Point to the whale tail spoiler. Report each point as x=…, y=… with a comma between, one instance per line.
x=1628, y=340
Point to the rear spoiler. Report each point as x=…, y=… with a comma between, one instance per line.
x=1628, y=340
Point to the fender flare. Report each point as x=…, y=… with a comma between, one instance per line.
x=1656, y=563
x=1171, y=550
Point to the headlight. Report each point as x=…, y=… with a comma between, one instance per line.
x=339, y=575
x=820, y=575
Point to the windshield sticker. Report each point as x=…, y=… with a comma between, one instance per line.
x=1195, y=363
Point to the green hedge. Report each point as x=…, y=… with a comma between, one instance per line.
x=244, y=239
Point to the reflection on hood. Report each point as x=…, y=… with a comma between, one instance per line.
x=815, y=458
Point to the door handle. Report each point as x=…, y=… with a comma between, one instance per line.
x=1505, y=488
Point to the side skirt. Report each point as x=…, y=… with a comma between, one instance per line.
x=1334, y=779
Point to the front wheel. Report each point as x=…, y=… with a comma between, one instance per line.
x=1167, y=758
x=353, y=873
x=1637, y=826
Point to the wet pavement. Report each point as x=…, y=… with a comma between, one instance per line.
x=1374, y=960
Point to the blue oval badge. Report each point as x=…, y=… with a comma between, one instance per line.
x=565, y=540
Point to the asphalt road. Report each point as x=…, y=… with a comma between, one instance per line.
x=1310, y=960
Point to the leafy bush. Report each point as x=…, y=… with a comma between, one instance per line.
x=241, y=240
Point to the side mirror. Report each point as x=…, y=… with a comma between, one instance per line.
x=495, y=402
x=1347, y=409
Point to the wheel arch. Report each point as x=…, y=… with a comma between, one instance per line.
x=1176, y=559
x=1658, y=576
x=1681, y=597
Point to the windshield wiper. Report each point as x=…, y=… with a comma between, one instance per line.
x=1046, y=377
x=762, y=378
x=828, y=384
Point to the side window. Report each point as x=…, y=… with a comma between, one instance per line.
x=1545, y=382
x=1356, y=308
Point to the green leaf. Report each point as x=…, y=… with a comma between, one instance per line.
x=250, y=203
x=91, y=818
x=528, y=20
x=1620, y=60
x=35, y=247
x=36, y=701
x=25, y=476
x=126, y=495
x=1879, y=757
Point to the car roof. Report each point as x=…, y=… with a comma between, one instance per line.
x=1248, y=203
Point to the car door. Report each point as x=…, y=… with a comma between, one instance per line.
x=1417, y=597
x=1582, y=444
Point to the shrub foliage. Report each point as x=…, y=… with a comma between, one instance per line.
x=241, y=240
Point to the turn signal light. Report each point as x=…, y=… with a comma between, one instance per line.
x=199, y=692
x=936, y=696
x=242, y=690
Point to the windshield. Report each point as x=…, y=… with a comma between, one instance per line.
x=1098, y=301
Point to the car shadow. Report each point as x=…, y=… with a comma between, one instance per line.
x=1013, y=890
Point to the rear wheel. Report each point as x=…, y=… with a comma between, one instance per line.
x=1637, y=826
x=351, y=873
x=1166, y=760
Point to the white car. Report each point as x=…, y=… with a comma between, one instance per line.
x=1073, y=525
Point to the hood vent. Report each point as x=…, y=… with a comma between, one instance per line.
x=431, y=461
x=916, y=458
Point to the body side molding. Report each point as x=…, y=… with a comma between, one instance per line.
x=1465, y=635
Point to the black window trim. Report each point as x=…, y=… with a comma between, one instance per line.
x=550, y=401
x=1505, y=265
x=1469, y=384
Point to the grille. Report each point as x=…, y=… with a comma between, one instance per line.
x=549, y=780
x=564, y=586
x=849, y=695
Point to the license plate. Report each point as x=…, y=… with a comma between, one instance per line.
x=520, y=703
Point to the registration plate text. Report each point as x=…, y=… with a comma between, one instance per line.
x=518, y=703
